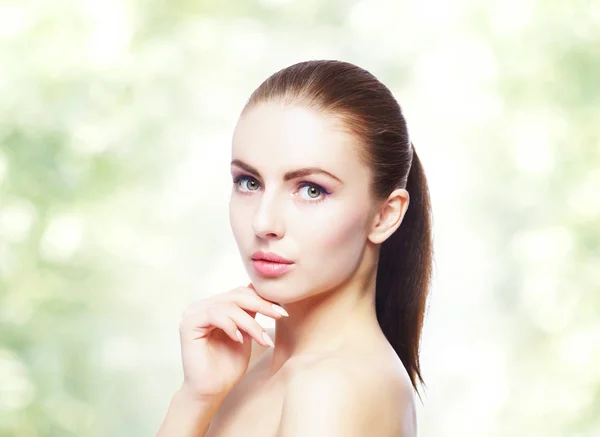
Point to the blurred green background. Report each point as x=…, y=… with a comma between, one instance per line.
x=115, y=126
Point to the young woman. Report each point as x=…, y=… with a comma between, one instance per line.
x=323, y=174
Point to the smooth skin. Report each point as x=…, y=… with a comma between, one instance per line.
x=333, y=239
x=331, y=228
x=214, y=358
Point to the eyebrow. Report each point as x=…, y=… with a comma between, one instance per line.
x=301, y=172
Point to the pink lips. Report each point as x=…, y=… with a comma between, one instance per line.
x=270, y=264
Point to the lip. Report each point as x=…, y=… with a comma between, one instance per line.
x=270, y=269
x=270, y=264
x=269, y=256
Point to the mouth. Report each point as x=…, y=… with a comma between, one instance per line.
x=270, y=269
x=270, y=264
x=270, y=257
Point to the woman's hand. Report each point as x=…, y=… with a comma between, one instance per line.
x=213, y=358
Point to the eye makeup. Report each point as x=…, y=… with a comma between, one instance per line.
x=241, y=178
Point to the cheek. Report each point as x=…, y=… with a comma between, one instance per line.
x=344, y=233
x=338, y=243
x=236, y=220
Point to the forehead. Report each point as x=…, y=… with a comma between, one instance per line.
x=282, y=135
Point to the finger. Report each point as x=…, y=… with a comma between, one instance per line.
x=252, y=303
x=217, y=318
x=251, y=287
x=248, y=324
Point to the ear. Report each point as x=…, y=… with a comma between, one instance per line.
x=389, y=216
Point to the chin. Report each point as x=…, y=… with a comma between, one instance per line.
x=270, y=288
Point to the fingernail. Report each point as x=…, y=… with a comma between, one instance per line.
x=239, y=336
x=267, y=339
x=280, y=310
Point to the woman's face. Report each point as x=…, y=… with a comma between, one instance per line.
x=320, y=222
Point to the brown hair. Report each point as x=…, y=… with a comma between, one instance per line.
x=370, y=111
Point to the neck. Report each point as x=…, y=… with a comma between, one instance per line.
x=329, y=321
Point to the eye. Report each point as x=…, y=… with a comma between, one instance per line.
x=314, y=191
x=252, y=184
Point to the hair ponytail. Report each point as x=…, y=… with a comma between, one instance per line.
x=404, y=274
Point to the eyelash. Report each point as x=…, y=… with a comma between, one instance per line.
x=239, y=178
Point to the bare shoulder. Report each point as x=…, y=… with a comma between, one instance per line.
x=350, y=397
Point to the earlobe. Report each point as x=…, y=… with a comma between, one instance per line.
x=382, y=232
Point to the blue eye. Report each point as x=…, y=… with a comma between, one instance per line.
x=316, y=193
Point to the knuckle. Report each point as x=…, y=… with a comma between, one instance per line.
x=247, y=291
x=231, y=295
x=212, y=311
x=237, y=290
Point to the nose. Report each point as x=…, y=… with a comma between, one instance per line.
x=267, y=222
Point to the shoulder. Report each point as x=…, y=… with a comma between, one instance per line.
x=335, y=397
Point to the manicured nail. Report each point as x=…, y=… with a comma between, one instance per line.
x=280, y=310
x=239, y=336
x=268, y=339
